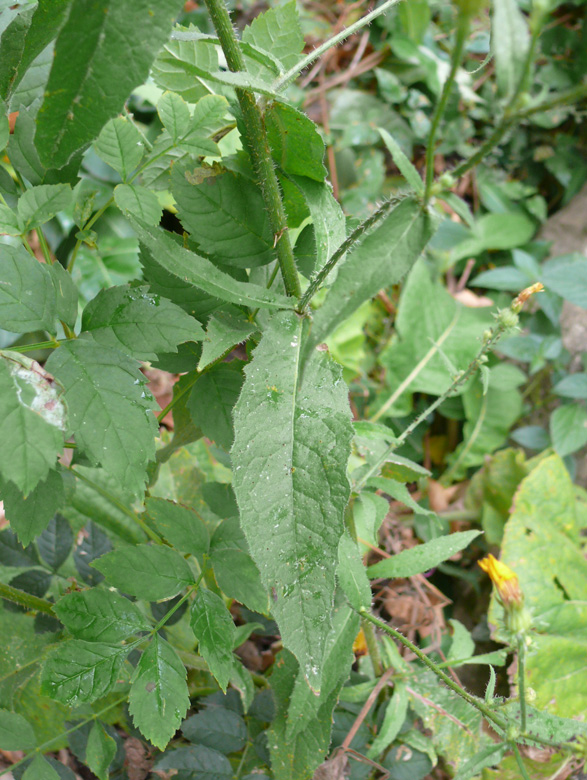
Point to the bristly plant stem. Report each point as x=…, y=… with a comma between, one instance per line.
x=348, y=243
x=488, y=344
x=472, y=700
x=523, y=773
x=27, y=600
x=258, y=146
x=284, y=81
x=522, y=681
x=457, y=55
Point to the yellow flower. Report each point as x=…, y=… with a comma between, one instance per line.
x=504, y=579
x=360, y=644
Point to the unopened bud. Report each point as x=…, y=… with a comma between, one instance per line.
x=521, y=299
x=517, y=618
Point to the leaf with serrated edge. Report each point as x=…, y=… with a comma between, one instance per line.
x=56, y=542
x=203, y=274
x=27, y=295
x=39, y=204
x=382, y=258
x=137, y=200
x=87, y=64
x=174, y=114
x=150, y=572
x=28, y=517
x=181, y=526
x=292, y=443
x=78, y=672
x=223, y=332
x=100, y=751
x=278, y=32
x=423, y=557
x=33, y=421
x=225, y=216
x=40, y=769
x=109, y=410
x=100, y=616
x=159, y=698
x=214, y=629
x=137, y=322
x=296, y=145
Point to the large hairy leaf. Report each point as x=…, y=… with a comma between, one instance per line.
x=87, y=85
x=203, y=274
x=32, y=422
x=109, y=410
x=292, y=443
x=381, y=259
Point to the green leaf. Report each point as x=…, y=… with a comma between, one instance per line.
x=12, y=552
x=572, y=386
x=227, y=206
x=66, y=294
x=214, y=629
x=120, y=145
x=40, y=769
x=86, y=64
x=180, y=525
x=300, y=733
x=32, y=415
x=223, y=332
x=236, y=573
x=406, y=168
x=196, y=762
x=100, y=616
x=490, y=755
x=100, y=751
x=109, y=410
x=496, y=231
x=381, y=259
x=510, y=41
x=94, y=543
x=398, y=492
x=393, y=720
x=38, y=205
x=170, y=69
x=147, y=572
x=565, y=276
x=542, y=544
x=139, y=202
x=212, y=401
x=159, y=697
x=27, y=295
x=352, y=575
x=25, y=38
x=16, y=733
x=217, y=728
x=296, y=145
x=462, y=645
x=425, y=556
x=327, y=215
x=292, y=443
x=278, y=32
x=29, y=516
x=9, y=224
x=202, y=273
x=208, y=119
x=174, y=114
x=456, y=328
x=568, y=429
x=55, y=542
x=138, y=323
x=78, y=672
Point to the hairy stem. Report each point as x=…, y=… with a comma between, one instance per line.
x=522, y=681
x=27, y=600
x=457, y=56
x=372, y=647
x=455, y=687
x=258, y=146
x=348, y=243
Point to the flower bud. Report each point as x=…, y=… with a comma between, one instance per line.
x=517, y=619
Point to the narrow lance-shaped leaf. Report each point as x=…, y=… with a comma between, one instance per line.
x=382, y=258
x=292, y=443
x=87, y=86
x=509, y=40
x=203, y=274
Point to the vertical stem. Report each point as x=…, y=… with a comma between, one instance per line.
x=457, y=54
x=258, y=145
x=521, y=767
x=522, y=681
x=372, y=647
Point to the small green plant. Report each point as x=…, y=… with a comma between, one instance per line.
x=135, y=549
